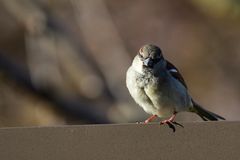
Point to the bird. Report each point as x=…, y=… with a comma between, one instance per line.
x=157, y=86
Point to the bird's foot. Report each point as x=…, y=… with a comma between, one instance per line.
x=140, y=123
x=170, y=122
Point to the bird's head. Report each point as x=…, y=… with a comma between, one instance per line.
x=150, y=55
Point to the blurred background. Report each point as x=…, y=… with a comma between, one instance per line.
x=64, y=61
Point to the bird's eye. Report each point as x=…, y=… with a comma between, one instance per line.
x=157, y=58
x=140, y=55
x=143, y=54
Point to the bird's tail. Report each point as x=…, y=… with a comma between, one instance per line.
x=205, y=114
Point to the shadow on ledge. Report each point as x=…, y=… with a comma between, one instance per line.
x=197, y=140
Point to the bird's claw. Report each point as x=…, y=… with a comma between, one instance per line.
x=141, y=123
x=171, y=124
x=178, y=124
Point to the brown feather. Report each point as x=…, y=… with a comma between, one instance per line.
x=177, y=74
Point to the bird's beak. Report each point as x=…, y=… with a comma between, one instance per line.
x=148, y=62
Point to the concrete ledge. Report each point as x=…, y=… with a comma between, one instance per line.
x=201, y=140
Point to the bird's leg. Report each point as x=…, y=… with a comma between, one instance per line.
x=150, y=119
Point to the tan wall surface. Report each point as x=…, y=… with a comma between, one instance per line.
x=200, y=140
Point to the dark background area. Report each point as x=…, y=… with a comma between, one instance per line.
x=64, y=61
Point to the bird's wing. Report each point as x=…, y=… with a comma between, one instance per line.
x=175, y=73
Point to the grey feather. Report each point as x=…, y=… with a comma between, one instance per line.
x=205, y=114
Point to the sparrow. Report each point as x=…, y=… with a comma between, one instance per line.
x=158, y=87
